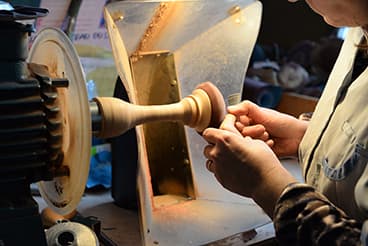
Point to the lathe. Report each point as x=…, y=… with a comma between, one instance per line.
x=162, y=50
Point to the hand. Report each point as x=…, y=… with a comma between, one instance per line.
x=282, y=132
x=245, y=166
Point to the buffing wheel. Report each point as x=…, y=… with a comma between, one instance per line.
x=53, y=49
x=218, y=107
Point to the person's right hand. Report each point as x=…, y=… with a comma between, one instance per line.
x=244, y=165
x=281, y=132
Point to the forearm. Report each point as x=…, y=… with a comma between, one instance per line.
x=302, y=216
x=270, y=188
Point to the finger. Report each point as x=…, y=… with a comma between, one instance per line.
x=239, y=126
x=210, y=166
x=240, y=108
x=255, y=131
x=265, y=136
x=270, y=143
x=229, y=121
x=245, y=120
x=211, y=135
x=243, y=108
x=248, y=139
x=249, y=109
x=228, y=124
x=207, y=151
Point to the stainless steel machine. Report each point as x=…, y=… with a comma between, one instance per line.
x=183, y=43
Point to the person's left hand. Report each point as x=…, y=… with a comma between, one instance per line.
x=244, y=165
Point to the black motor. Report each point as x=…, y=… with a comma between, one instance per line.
x=30, y=129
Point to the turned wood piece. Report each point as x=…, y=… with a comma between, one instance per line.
x=205, y=107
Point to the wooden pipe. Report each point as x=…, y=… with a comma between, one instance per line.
x=205, y=107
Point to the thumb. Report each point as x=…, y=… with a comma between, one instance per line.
x=228, y=124
x=249, y=109
x=241, y=108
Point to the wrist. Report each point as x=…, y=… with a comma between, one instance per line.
x=271, y=186
x=302, y=127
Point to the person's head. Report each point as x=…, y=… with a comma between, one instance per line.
x=340, y=13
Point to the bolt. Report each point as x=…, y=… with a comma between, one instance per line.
x=60, y=82
x=234, y=10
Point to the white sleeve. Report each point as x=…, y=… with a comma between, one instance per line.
x=361, y=192
x=361, y=198
x=364, y=234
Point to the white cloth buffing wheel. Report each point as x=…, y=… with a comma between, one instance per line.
x=53, y=49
